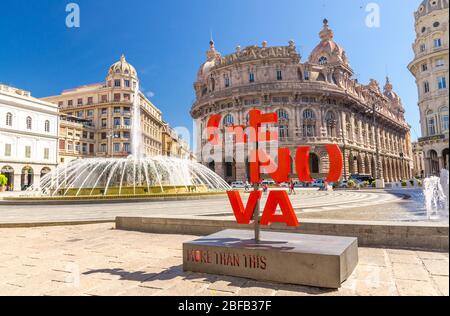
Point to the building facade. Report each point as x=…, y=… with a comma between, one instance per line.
x=318, y=102
x=418, y=160
x=430, y=68
x=174, y=145
x=103, y=113
x=28, y=138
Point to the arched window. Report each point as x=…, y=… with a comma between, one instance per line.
x=29, y=123
x=431, y=123
x=323, y=60
x=283, y=123
x=309, y=123
x=47, y=126
x=228, y=120
x=309, y=115
x=426, y=87
x=9, y=119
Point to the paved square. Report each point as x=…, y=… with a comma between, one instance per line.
x=99, y=260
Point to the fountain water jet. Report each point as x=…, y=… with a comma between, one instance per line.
x=436, y=191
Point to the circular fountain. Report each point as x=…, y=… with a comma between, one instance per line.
x=135, y=176
x=130, y=177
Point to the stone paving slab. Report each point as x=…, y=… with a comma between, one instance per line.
x=98, y=260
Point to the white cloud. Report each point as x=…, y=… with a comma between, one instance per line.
x=150, y=94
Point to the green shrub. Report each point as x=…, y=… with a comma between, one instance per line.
x=3, y=180
x=404, y=184
x=366, y=184
x=351, y=184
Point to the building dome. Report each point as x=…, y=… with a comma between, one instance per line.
x=211, y=55
x=122, y=67
x=328, y=51
x=392, y=96
x=428, y=6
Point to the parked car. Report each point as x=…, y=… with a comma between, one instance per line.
x=238, y=185
x=268, y=182
x=318, y=183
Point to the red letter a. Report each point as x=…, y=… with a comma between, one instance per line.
x=288, y=215
x=243, y=216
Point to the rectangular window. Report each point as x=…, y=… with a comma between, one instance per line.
x=91, y=148
x=117, y=83
x=84, y=148
x=62, y=144
x=445, y=123
x=126, y=110
x=27, y=151
x=424, y=67
x=90, y=100
x=252, y=77
x=116, y=97
x=227, y=82
x=127, y=83
x=126, y=97
x=127, y=121
x=80, y=114
x=437, y=43
x=279, y=75
x=422, y=48
x=116, y=147
x=90, y=113
x=104, y=123
x=117, y=110
x=104, y=98
x=431, y=127
x=126, y=135
x=85, y=134
x=426, y=87
x=127, y=148
x=103, y=135
x=104, y=111
x=80, y=101
x=77, y=147
x=440, y=63
x=7, y=150
x=103, y=148
x=117, y=121
x=70, y=146
x=442, y=83
x=60, y=104
x=46, y=153
x=70, y=103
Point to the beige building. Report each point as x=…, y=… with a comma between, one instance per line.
x=318, y=102
x=76, y=138
x=174, y=145
x=104, y=111
x=418, y=160
x=430, y=68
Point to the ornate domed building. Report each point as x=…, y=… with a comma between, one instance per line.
x=96, y=119
x=318, y=102
x=430, y=68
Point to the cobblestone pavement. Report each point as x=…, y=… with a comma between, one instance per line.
x=311, y=203
x=98, y=260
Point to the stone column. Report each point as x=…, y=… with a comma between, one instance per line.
x=17, y=182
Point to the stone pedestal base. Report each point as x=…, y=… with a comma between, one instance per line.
x=379, y=184
x=313, y=260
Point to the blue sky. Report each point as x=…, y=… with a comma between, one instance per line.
x=166, y=41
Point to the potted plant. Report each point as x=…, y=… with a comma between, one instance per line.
x=3, y=182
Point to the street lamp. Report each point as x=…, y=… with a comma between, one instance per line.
x=373, y=111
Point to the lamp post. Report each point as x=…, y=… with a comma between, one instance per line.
x=402, y=157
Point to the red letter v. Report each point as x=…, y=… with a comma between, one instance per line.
x=243, y=216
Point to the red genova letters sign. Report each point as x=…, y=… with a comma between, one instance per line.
x=259, y=158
